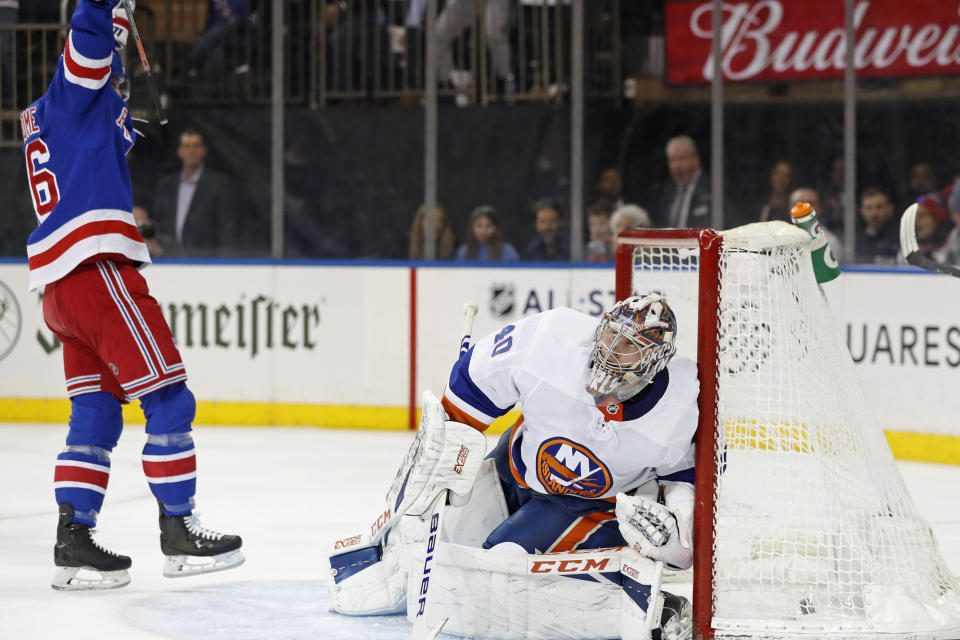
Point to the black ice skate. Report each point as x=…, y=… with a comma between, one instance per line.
x=676, y=620
x=191, y=549
x=82, y=564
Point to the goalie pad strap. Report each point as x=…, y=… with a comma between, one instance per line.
x=347, y=564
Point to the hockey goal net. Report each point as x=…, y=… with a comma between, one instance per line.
x=804, y=527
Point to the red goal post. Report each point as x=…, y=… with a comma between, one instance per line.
x=709, y=243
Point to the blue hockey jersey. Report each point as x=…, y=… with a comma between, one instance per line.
x=76, y=137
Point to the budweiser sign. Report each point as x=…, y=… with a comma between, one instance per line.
x=784, y=39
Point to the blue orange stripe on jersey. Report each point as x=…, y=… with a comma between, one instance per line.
x=465, y=389
x=456, y=414
x=581, y=529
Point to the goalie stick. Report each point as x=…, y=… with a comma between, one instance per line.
x=420, y=631
x=151, y=83
x=911, y=249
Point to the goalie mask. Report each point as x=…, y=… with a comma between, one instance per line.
x=634, y=342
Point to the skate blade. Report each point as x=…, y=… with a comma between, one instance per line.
x=88, y=579
x=181, y=566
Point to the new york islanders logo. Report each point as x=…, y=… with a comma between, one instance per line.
x=566, y=467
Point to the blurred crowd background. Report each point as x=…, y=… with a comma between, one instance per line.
x=353, y=143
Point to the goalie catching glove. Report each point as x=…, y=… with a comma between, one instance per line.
x=655, y=531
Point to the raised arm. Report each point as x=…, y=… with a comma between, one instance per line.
x=84, y=68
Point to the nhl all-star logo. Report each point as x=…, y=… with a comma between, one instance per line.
x=502, y=297
x=11, y=320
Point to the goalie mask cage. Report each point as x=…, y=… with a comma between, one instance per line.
x=803, y=526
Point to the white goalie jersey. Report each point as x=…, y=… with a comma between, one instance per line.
x=563, y=444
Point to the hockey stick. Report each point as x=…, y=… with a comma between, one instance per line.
x=655, y=587
x=911, y=249
x=151, y=83
x=420, y=631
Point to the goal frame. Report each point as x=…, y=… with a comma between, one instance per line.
x=710, y=245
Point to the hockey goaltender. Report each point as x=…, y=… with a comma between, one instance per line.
x=565, y=529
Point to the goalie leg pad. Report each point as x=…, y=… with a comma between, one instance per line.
x=641, y=602
x=360, y=586
x=487, y=594
x=370, y=579
x=647, y=611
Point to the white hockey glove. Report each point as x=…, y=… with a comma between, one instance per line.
x=121, y=27
x=652, y=530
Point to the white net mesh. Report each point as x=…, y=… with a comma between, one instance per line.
x=815, y=534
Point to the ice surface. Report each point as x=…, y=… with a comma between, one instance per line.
x=288, y=491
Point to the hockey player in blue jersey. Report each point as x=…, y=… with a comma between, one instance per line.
x=117, y=347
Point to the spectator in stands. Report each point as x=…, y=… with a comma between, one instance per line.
x=8, y=16
x=485, y=239
x=932, y=224
x=550, y=243
x=444, y=242
x=951, y=249
x=629, y=216
x=148, y=231
x=921, y=179
x=809, y=194
x=776, y=205
x=684, y=202
x=610, y=186
x=879, y=240
x=225, y=21
x=196, y=207
x=456, y=17
x=600, y=243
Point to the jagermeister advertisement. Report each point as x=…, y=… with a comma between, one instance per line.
x=247, y=333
